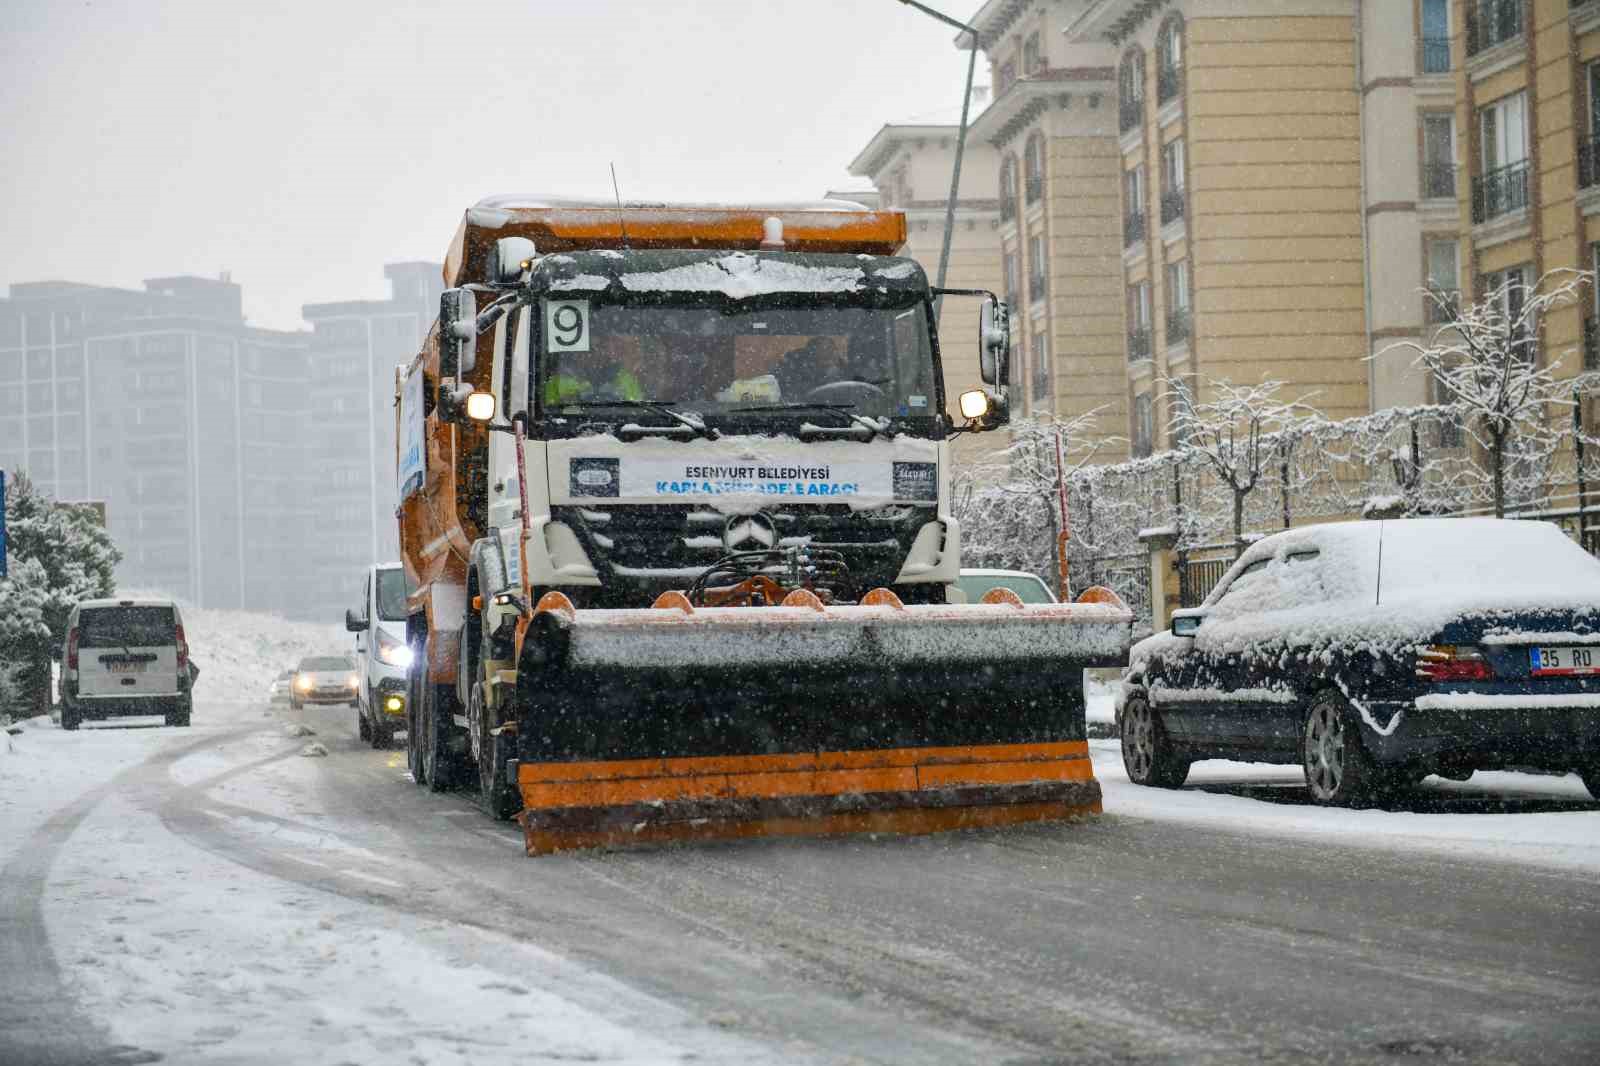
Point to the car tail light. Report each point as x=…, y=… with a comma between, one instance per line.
x=72, y=648
x=1453, y=662
x=183, y=649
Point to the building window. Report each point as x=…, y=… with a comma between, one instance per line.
x=1013, y=275
x=1172, y=168
x=1138, y=321
x=1036, y=271
x=1169, y=60
x=1033, y=168
x=1444, y=285
x=1005, y=76
x=1507, y=292
x=1439, y=156
x=1492, y=22
x=1133, y=212
x=1588, y=171
x=1032, y=55
x=1041, y=365
x=1435, y=44
x=1008, y=189
x=1144, y=425
x=1502, y=187
x=1177, y=302
x=1130, y=91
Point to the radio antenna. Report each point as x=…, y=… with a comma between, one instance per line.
x=621, y=221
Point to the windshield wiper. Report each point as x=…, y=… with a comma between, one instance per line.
x=665, y=407
x=858, y=422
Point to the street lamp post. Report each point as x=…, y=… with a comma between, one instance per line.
x=961, y=142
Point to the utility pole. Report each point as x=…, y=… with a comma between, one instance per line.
x=961, y=143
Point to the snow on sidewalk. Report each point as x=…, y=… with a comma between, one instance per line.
x=1565, y=839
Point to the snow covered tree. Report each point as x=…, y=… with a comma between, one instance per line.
x=58, y=556
x=1237, y=435
x=1485, y=362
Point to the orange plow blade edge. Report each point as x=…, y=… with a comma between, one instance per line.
x=677, y=723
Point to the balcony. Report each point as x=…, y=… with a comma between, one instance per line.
x=1434, y=55
x=1588, y=164
x=1591, y=343
x=1130, y=113
x=1037, y=286
x=1438, y=181
x=1169, y=83
x=1500, y=192
x=1138, y=345
x=1177, y=325
x=1492, y=22
x=1132, y=229
x=1171, y=206
x=1034, y=190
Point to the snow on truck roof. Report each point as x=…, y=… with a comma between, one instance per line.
x=735, y=275
x=566, y=224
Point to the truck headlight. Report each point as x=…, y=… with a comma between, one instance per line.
x=393, y=652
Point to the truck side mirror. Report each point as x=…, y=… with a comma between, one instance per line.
x=354, y=622
x=458, y=333
x=994, y=342
x=510, y=261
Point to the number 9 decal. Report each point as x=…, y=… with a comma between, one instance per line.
x=566, y=325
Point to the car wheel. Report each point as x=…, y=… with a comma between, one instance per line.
x=1339, y=771
x=363, y=727
x=1147, y=753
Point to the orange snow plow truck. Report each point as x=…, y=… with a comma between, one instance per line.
x=675, y=495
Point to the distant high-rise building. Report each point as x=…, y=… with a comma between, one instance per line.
x=186, y=422
x=355, y=347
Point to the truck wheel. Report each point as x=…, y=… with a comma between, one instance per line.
x=1339, y=770
x=500, y=797
x=435, y=724
x=1147, y=754
x=414, y=685
x=70, y=718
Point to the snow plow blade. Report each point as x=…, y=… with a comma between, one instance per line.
x=684, y=723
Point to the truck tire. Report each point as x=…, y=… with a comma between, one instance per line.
x=440, y=764
x=414, y=685
x=500, y=797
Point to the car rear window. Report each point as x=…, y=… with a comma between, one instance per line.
x=324, y=664
x=132, y=627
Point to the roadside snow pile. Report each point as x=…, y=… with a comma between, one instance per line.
x=296, y=729
x=240, y=652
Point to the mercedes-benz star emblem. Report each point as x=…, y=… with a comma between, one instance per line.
x=749, y=532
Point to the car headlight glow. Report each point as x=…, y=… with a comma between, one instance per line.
x=303, y=683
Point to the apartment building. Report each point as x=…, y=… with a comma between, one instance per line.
x=355, y=346
x=909, y=164
x=183, y=420
x=1052, y=130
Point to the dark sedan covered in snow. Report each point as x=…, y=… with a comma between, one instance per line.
x=1375, y=653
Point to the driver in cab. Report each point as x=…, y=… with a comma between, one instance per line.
x=604, y=373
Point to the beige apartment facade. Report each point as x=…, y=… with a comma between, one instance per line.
x=1051, y=128
x=909, y=165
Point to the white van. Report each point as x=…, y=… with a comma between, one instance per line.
x=124, y=658
x=382, y=654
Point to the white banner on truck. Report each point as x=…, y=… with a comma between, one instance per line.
x=409, y=464
x=775, y=478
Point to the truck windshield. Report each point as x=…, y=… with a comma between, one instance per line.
x=393, y=588
x=714, y=359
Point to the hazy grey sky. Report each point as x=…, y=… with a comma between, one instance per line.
x=303, y=145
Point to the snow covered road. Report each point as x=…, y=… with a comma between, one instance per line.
x=213, y=895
